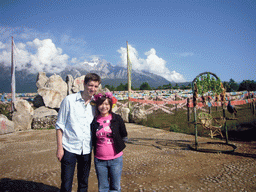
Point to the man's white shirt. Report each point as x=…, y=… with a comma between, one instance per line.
x=74, y=119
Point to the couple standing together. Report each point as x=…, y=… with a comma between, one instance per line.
x=81, y=125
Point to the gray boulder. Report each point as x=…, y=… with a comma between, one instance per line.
x=38, y=101
x=69, y=81
x=41, y=80
x=6, y=126
x=124, y=112
x=138, y=114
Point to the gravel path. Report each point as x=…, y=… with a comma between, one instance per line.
x=154, y=160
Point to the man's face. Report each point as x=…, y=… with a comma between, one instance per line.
x=91, y=87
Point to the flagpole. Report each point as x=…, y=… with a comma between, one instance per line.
x=13, y=79
x=128, y=76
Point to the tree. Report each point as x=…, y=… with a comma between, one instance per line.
x=145, y=86
x=233, y=85
x=247, y=85
x=110, y=88
x=183, y=87
x=159, y=88
x=226, y=86
x=176, y=86
x=120, y=87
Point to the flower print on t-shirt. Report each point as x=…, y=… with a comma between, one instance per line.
x=107, y=129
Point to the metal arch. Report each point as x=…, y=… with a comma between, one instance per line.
x=195, y=118
x=204, y=74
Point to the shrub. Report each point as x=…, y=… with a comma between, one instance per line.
x=5, y=109
x=175, y=128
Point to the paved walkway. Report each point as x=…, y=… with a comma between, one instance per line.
x=154, y=160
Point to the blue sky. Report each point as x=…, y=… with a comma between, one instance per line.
x=177, y=39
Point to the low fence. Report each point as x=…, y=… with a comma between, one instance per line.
x=180, y=99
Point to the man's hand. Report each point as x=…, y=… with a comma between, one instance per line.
x=60, y=150
x=60, y=153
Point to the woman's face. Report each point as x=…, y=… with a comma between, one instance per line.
x=104, y=108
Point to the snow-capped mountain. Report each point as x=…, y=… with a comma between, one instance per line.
x=110, y=74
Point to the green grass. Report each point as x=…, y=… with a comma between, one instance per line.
x=49, y=128
x=244, y=128
x=5, y=109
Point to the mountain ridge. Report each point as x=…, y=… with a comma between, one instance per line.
x=110, y=74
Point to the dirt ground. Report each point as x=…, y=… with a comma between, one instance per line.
x=154, y=160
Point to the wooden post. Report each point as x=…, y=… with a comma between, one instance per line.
x=253, y=106
x=188, y=101
x=128, y=76
x=210, y=111
x=13, y=84
x=196, y=142
x=176, y=104
x=225, y=124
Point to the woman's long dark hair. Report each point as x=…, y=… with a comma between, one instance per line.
x=100, y=101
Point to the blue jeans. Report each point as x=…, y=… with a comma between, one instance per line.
x=68, y=163
x=109, y=174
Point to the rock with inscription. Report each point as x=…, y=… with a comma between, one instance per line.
x=6, y=126
x=78, y=84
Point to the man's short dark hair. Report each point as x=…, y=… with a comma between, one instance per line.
x=91, y=77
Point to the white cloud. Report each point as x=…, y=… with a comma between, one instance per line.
x=152, y=63
x=47, y=57
x=2, y=46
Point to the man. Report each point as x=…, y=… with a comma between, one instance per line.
x=74, y=134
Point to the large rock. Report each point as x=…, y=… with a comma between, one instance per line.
x=41, y=80
x=138, y=114
x=6, y=126
x=56, y=83
x=23, y=106
x=38, y=101
x=44, y=111
x=44, y=118
x=52, y=98
x=124, y=112
x=47, y=122
x=69, y=81
x=22, y=121
x=23, y=115
x=78, y=84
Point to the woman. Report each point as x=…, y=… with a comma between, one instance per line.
x=108, y=137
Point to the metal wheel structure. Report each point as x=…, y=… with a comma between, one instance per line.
x=223, y=119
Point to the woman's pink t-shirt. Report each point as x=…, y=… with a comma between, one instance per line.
x=105, y=143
